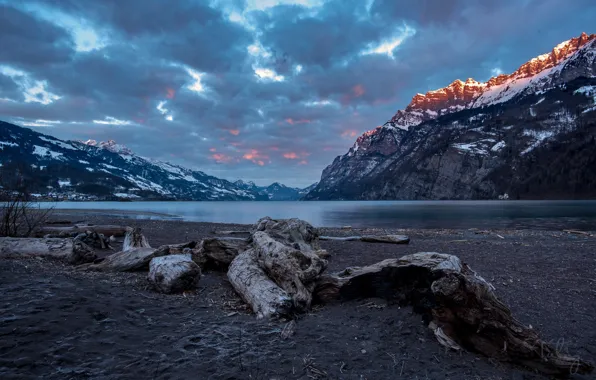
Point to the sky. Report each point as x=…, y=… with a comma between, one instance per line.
x=261, y=90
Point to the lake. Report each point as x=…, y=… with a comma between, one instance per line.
x=382, y=214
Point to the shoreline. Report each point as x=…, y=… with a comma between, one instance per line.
x=130, y=331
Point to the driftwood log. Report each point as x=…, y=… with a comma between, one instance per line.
x=134, y=239
x=390, y=239
x=93, y=239
x=294, y=270
x=174, y=273
x=71, y=231
x=73, y=252
x=277, y=274
x=218, y=253
x=254, y=286
x=460, y=307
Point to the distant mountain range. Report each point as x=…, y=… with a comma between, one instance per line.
x=527, y=135
x=76, y=170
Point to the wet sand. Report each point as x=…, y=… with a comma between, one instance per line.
x=57, y=323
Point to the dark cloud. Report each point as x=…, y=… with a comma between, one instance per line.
x=333, y=34
x=28, y=42
x=244, y=125
x=9, y=89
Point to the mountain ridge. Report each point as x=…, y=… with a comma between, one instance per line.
x=455, y=152
x=91, y=170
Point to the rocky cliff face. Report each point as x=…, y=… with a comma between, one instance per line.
x=474, y=140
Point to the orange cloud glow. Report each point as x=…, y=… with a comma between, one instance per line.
x=358, y=90
x=300, y=121
x=349, y=133
x=221, y=158
x=235, y=132
x=170, y=93
x=256, y=157
x=290, y=156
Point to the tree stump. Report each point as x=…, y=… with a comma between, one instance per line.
x=461, y=306
x=56, y=248
x=134, y=239
x=254, y=286
x=174, y=273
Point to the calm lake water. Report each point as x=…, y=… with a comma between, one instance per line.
x=395, y=214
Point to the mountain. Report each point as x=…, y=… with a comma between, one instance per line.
x=104, y=170
x=274, y=192
x=526, y=135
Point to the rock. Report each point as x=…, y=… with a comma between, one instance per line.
x=174, y=273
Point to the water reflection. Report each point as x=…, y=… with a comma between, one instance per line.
x=384, y=214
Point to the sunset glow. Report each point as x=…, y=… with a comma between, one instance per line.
x=221, y=158
x=300, y=121
x=290, y=156
x=234, y=132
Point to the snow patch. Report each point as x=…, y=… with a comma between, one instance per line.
x=126, y=195
x=43, y=152
x=498, y=146
x=6, y=143
x=539, y=101
x=64, y=182
x=538, y=136
x=84, y=162
x=58, y=142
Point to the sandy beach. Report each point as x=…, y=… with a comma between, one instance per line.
x=59, y=323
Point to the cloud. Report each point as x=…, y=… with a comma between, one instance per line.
x=29, y=43
x=260, y=90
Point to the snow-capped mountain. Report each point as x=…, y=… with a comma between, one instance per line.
x=529, y=134
x=104, y=170
x=274, y=192
x=537, y=74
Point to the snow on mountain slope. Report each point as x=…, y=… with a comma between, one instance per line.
x=539, y=73
x=474, y=140
x=45, y=164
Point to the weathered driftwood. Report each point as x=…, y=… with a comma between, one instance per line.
x=134, y=239
x=230, y=232
x=276, y=274
x=174, y=273
x=391, y=239
x=124, y=261
x=73, y=252
x=252, y=283
x=292, y=232
x=71, y=231
x=294, y=270
x=462, y=307
x=93, y=239
x=218, y=252
x=136, y=258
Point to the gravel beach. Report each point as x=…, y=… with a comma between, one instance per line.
x=60, y=323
